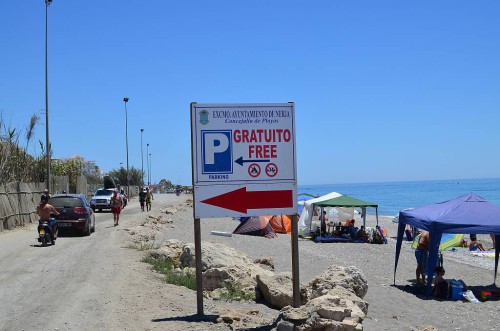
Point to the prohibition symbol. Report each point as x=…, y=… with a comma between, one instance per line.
x=254, y=170
x=271, y=169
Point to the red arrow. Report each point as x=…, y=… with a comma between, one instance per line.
x=241, y=200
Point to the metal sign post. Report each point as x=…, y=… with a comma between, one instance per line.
x=295, y=261
x=244, y=164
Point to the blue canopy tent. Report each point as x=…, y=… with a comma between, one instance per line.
x=465, y=214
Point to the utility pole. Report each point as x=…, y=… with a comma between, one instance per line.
x=47, y=140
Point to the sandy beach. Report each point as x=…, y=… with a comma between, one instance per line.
x=400, y=307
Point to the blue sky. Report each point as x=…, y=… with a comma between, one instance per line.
x=383, y=90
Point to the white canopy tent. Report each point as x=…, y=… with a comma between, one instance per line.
x=305, y=220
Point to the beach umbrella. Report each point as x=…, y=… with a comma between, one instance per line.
x=447, y=240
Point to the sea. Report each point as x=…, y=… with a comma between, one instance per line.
x=392, y=197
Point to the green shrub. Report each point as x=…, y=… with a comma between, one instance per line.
x=143, y=245
x=166, y=267
x=234, y=291
x=187, y=279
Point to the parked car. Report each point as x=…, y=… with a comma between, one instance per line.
x=74, y=213
x=102, y=199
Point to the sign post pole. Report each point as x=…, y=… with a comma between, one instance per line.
x=199, y=275
x=295, y=262
x=197, y=236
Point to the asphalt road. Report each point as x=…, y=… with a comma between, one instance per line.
x=73, y=285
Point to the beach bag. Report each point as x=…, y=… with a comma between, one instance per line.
x=455, y=290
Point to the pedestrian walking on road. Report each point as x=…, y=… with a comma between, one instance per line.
x=142, y=198
x=116, y=206
x=149, y=197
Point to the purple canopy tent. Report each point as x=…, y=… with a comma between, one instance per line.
x=465, y=214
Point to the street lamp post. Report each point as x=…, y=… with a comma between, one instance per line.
x=142, y=161
x=147, y=160
x=149, y=180
x=125, y=100
x=47, y=140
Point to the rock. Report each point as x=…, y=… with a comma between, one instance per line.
x=143, y=233
x=222, y=265
x=171, y=249
x=358, y=306
x=350, y=278
x=295, y=315
x=266, y=261
x=329, y=306
x=159, y=219
x=338, y=309
x=331, y=301
x=170, y=210
x=214, y=255
x=244, y=319
x=285, y=326
x=219, y=278
x=277, y=289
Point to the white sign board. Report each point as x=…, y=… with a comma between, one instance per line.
x=244, y=159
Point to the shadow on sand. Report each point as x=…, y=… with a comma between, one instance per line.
x=419, y=291
x=195, y=318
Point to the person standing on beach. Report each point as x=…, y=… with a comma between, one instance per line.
x=323, y=219
x=421, y=256
x=116, y=206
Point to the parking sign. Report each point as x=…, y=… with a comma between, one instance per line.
x=243, y=152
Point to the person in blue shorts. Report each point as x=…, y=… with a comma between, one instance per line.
x=475, y=245
x=421, y=256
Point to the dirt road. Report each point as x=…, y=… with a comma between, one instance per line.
x=88, y=283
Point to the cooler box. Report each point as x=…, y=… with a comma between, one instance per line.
x=456, y=289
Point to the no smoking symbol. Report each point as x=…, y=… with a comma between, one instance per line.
x=254, y=170
x=271, y=170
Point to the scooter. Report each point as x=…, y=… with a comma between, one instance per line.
x=47, y=232
x=178, y=192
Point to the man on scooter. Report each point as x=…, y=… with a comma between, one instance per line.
x=44, y=210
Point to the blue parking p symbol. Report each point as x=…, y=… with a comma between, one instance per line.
x=217, y=155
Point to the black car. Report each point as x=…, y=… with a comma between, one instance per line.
x=74, y=213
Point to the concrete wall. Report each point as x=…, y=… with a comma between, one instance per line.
x=18, y=203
